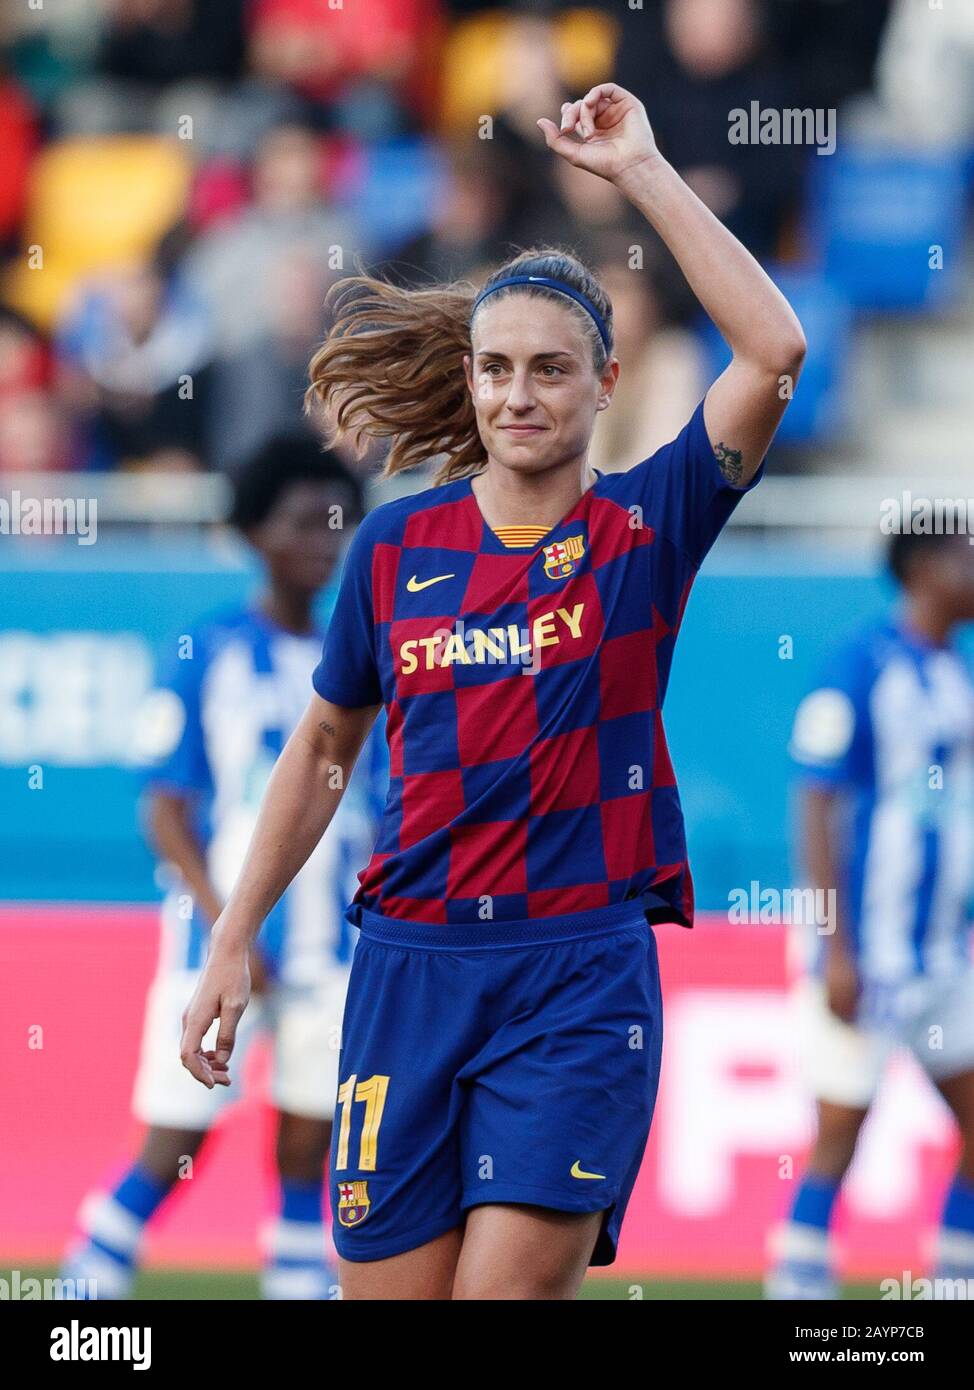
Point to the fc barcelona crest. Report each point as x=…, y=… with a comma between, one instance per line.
x=560, y=558
x=353, y=1203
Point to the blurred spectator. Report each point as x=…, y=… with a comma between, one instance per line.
x=231, y=266
x=662, y=376
x=529, y=85
x=829, y=47
x=544, y=201
x=133, y=358
x=370, y=60
x=693, y=62
x=926, y=72
x=461, y=242
x=259, y=391
x=192, y=359
x=160, y=61
x=231, y=122
x=49, y=47
x=593, y=205
x=478, y=58
x=34, y=434
x=24, y=358
x=529, y=81
x=157, y=42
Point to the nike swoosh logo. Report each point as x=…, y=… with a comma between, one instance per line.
x=414, y=585
x=578, y=1173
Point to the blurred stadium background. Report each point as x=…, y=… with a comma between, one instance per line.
x=180, y=182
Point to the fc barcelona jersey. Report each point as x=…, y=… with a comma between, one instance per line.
x=523, y=688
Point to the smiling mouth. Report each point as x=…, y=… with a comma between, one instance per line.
x=523, y=429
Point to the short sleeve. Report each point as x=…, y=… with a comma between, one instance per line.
x=684, y=495
x=347, y=673
x=169, y=733
x=831, y=742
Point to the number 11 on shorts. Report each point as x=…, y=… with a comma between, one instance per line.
x=373, y=1093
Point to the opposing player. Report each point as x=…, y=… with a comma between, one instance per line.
x=235, y=689
x=885, y=745
x=502, y=1035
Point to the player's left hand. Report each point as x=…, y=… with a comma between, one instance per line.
x=221, y=995
x=606, y=132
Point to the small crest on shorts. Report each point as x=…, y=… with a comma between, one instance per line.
x=559, y=558
x=353, y=1203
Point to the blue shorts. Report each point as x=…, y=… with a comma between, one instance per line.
x=507, y=1062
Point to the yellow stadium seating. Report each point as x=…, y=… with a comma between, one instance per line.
x=94, y=203
x=586, y=42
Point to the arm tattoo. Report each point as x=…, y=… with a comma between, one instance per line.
x=327, y=728
x=729, y=462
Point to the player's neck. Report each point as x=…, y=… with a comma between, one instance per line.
x=288, y=609
x=508, y=498
x=927, y=620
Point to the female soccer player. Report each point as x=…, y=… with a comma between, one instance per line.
x=502, y=1033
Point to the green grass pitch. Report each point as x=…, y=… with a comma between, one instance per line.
x=198, y=1284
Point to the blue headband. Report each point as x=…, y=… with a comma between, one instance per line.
x=545, y=283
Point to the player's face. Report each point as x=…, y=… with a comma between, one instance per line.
x=534, y=386
x=301, y=539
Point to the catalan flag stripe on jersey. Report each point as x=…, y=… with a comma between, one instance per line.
x=514, y=537
x=529, y=774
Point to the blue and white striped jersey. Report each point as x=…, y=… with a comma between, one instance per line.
x=214, y=726
x=890, y=725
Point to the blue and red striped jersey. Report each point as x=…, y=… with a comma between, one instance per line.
x=523, y=688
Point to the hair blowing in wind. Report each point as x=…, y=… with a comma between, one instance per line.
x=391, y=366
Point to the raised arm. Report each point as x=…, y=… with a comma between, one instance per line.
x=302, y=796
x=608, y=133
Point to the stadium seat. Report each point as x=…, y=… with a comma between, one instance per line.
x=874, y=213
x=586, y=42
x=91, y=204
x=817, y=413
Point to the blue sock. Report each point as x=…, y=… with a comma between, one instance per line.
x=959, y=1207
x=140, y=1192
x=802, y=1264
x=814, y=1202
x=301, y=1201
x=955, y=1242
x=112, y=1223
x=295, y=1263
